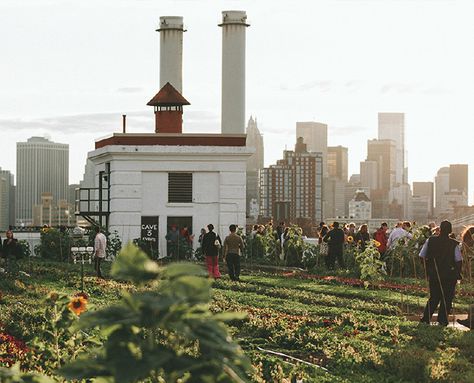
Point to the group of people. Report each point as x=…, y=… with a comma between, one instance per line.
x=441, y=254
x=173, y=240
x=232, y=249
x=332, y=239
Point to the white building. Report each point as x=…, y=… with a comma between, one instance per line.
x=151, y=182
x=200, y=184
x=360, y=207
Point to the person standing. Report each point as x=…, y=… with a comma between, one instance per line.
x=381, y=237
x=467, y=250
x=172, y=238
x=362, y=237
x=211, y=243
x=10, y=251
x=233, y=248
x=443, y=260
x=400, y=231
x=335, y=240
x=279, y=232
x=100, y=245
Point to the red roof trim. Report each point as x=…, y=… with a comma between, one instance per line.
x=164, y=139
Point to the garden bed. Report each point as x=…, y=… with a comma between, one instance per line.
x=321, y=328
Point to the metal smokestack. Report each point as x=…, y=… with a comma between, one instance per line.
x=233, y=26
x=171, y=51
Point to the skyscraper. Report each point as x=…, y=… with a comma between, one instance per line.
x=315, y=136
x=382, y=152
x=7, y=199
x=293, y=186
x=369, y=175
x=338, y=162
x=392, y=127
x=254, y=166
x=441, y=189
x=425, y=189
x=458, y=178
x=335, y=184
x=42, y=166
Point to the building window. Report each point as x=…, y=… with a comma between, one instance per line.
x=180, y=187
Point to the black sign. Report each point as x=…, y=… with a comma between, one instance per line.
x=149, y=231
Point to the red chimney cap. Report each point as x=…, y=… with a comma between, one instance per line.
x=168, y=96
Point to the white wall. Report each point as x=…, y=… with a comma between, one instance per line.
x=139, y=186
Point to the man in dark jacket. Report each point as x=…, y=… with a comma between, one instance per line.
x=443, y=262
x=335, y=240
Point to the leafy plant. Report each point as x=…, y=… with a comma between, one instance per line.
x=14, y=375
x=56, y=343
x=372, y=269
x=55, y=244
x=165, y=332
x=294, y=246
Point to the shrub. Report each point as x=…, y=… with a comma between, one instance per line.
x=55, y=244
x=372, y=269
x=167, y=331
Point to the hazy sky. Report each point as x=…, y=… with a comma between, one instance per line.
x=70, y=69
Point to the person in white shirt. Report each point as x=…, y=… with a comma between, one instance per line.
x=100, y=245
x=400, y=231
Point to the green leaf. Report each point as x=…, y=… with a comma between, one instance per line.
x=134, y=265
x=183, y=269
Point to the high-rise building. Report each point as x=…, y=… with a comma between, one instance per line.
x=315, y=136
x=7, y=199
x=338, y=162
x=419, y=209
x=53, y=213
x=451, y=188
x=254, y=166
x=335, y=198
x=42, y=166
x=369, y=175
x=458, y=179
x=293, y=186
x=425, y=189
x=392, y=127
x=384, y=153
x=400, y=196
x=441, y=188
x=335, y=184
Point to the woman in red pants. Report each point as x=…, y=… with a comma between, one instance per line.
x=211, y=244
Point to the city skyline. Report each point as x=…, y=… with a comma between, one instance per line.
x=79, y=96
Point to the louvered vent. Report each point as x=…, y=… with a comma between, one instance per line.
x=180, y=187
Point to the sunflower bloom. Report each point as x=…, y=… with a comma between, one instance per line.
x=77, y=305
x=350, y=239
x=377, y=244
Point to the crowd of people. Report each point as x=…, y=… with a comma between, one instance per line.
x=442, y=253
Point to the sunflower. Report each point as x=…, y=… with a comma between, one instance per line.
x=377, y=243
x=77, y=305
x=350, y=239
